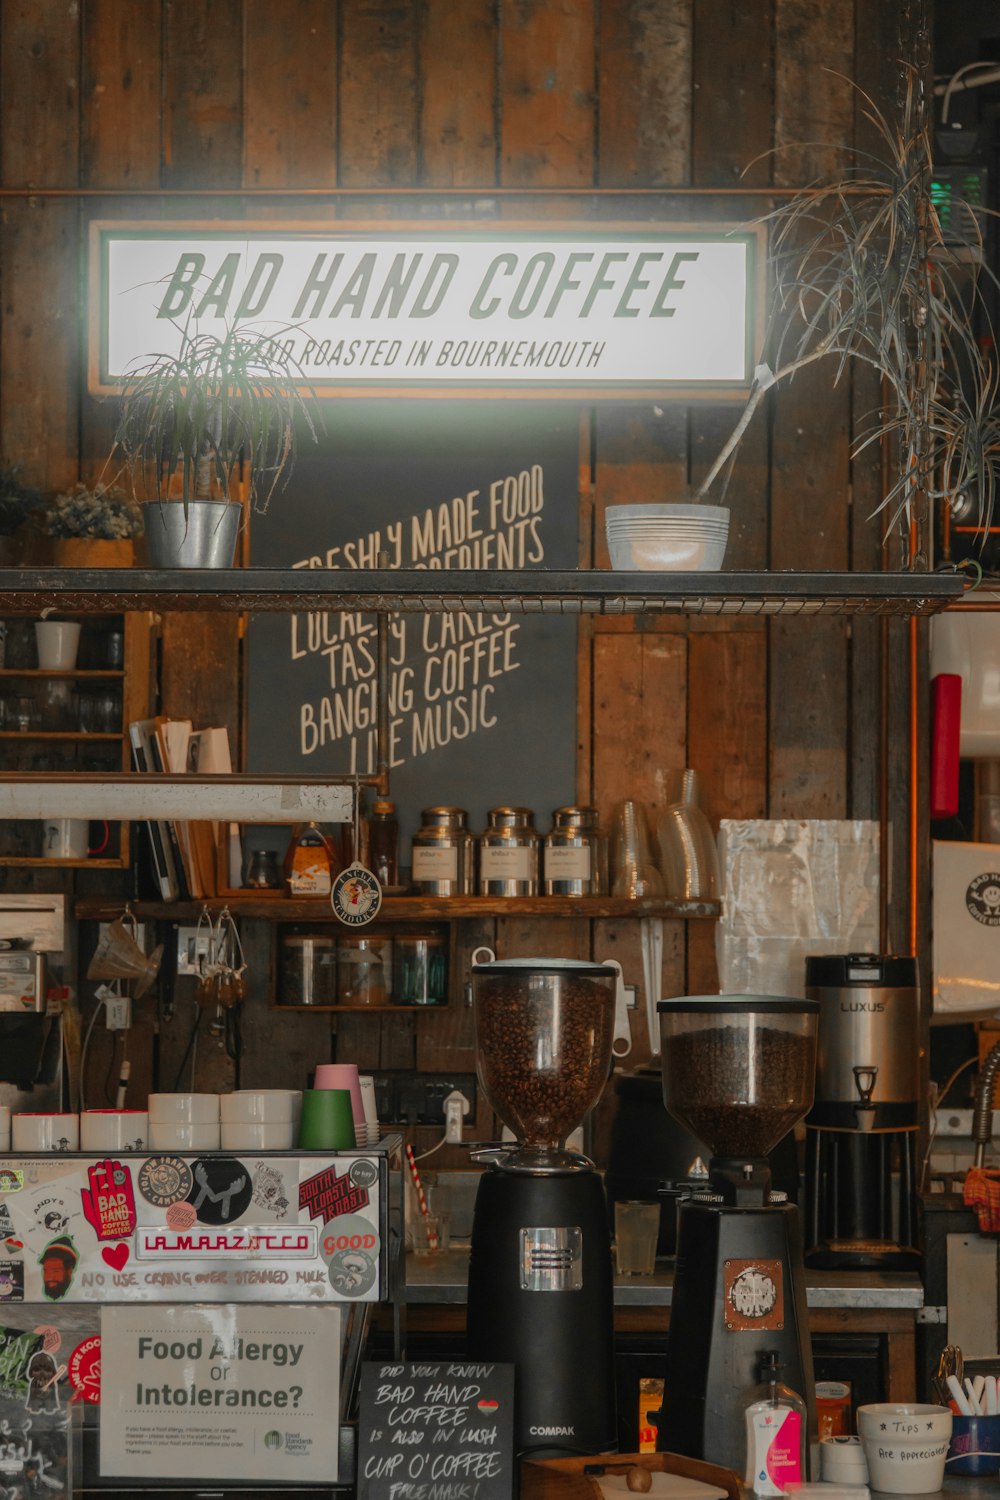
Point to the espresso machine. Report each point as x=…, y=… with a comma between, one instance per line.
x=540, y=1277
x=861, y=1133
x=738, y=1072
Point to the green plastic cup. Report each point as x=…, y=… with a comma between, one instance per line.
x=327, y=1122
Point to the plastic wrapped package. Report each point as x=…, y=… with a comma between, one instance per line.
x=792, y=888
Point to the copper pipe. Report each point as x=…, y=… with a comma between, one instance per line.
x=914, y=785
x=424, y=192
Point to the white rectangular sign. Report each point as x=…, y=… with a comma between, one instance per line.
x=581, y=309
x=227, y=1392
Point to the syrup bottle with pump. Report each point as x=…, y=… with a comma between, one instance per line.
x=776, y=1425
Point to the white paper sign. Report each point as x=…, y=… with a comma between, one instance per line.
x=228, y=1392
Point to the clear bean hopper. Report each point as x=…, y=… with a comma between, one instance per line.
x=738, y=1071
x=544, y=1032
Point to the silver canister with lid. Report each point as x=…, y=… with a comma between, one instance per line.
x=508, y=853
x=443, y=853
x=575, y=854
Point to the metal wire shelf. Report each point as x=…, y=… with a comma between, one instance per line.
x=586, y=592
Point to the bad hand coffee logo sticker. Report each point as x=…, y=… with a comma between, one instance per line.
x=109, y=1203
x=982, y=899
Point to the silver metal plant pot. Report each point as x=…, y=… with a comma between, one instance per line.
x=200, y=534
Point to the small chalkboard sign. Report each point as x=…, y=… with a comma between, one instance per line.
x=439, y=1428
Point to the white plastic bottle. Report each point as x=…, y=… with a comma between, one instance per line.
x=776, y=1433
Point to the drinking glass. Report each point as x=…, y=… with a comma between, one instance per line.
x=637, y=1228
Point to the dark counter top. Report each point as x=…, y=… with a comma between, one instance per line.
x=443, y=1278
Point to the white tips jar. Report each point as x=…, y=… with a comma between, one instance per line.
x=509, y=853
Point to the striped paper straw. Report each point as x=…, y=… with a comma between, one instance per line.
x=418, y=1188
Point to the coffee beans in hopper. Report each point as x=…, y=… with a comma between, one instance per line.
x=713, y=1073
x=543, y=1066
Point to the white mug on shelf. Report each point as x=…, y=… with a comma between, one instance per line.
x=65, y=838
x=57, y=642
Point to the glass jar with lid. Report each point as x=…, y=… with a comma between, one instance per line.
x=364, y=969
x=508, y=853
x=443, y=853
x=575, y=854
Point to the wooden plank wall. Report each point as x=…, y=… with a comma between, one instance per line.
x=270, y=95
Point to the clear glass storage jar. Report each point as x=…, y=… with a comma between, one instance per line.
x=364, y=970
x=443, y=853
x=508, y=853
x=575, y=854
x=420, y=968
x=307, y=969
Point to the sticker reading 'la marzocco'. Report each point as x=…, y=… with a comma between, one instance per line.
x=245, y=1242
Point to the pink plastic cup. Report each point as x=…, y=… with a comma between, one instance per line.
x=343, y=1076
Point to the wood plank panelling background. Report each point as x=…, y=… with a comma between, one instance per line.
x=471, y=96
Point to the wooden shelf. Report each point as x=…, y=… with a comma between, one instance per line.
x=73, y=736
x=358, y=1010
x=279, y=908
x=85, y=674
x=44, y=863
x=537, y=591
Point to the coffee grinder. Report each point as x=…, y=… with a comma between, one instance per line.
x=738, y=1072
x=540, y=1277
x=861, y=1133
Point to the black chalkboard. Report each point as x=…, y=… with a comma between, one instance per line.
x=482, y=708
x=442, y=1429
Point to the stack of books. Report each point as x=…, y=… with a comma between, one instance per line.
x=190, y=860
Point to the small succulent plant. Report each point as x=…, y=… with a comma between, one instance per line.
x=104, y=512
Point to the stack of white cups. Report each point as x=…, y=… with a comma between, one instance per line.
x=184, y=1122
x=260, y=1119
x=372, y=1130
x=842, y=1461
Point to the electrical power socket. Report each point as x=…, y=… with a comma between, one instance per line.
x=118, y=1012
x=455, y=1108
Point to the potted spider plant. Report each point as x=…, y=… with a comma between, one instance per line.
x=861, y=270
x=192, y=424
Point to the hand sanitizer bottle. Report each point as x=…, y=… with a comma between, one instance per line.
x=776, y=1433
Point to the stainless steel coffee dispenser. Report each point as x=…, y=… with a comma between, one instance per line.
x=861, y=1134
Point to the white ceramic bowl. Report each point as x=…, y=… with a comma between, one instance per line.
x=906, y=1445
x=667, y=555
x=668, y=511
x=249, y=1135
x=184, y=1109
x=43, y=1132
x=114, y=1130
x=171, y=1135
x=259, y=1106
